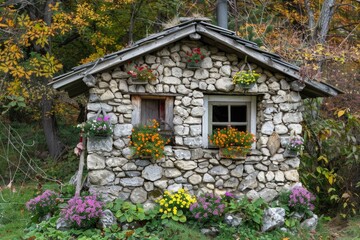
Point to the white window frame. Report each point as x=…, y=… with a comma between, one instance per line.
x=209, y=99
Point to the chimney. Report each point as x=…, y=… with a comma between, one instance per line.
x=222, y=13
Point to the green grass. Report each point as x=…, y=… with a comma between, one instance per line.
x=13, y=215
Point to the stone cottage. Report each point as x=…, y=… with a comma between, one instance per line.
x=193, y=102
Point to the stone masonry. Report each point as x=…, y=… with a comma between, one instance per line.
x=114, y=173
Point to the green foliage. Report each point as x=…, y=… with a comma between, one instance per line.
x=251, y=211
x=178, y=231
x=126, y=211
x=331, y=159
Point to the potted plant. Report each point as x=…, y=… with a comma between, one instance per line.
x=246, y=79
x=295, y=145
x=232, y=142
x=141, y=74
x=98, y=127
x=194, y=58
x=147, y=142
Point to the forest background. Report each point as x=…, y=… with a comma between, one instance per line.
x=40, y=39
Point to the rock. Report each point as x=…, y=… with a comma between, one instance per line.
x=195, y=179
x=62, y=225
x=123, y=130
x=95, y=161
x=279, y=176
x=201, y=74
x=197, y=111
x=231, y=183
x=171, y=80
x=238, y=171
x=152, y=172
x=138, y=195
x=252, y=194
x=232, y=220
x=273, y=143
x=249, y=182
x=273, y=218
x=208, y=178
x=310, y=223
x=175, y=187
x=292, y=175
x=100, y=144
x=211, y=232
x=268, y=194
x=182, y=154
x=116, y=162
x=132, y=182
x=224, y=84
x=292, y=117
x=101, y=177
x=267, y=128
x=172, y=173
x=219, y=170
x=186, y=165
x=107, y=219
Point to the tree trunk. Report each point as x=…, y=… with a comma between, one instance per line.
x=55, y=146
x=323, y=23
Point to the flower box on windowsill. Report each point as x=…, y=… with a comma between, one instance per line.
x=136, y=81
x=232, y=153
x=193, y=65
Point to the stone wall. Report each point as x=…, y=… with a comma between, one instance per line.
x=112, y=170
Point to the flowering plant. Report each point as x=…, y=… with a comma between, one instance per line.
x=195, y=56
x=142, y=73
x=232, y=140
x=100, y=126
x=295, y=143
x=208, y=207
x=245, y=77
x=43, y=204
x=82, y=212
x=147, y=141
x=301, y=199
x=174, y=205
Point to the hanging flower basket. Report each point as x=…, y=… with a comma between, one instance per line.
x=99, y=127
x=194, y=58
x=141, y=74
x=246, y=79
x=290, y=153
x=193, y=65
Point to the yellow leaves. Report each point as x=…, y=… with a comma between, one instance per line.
x=45, y=65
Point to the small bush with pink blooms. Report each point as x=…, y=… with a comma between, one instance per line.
x=83, y=212
x=300, y=200
x=209, y=207
x=43, y=204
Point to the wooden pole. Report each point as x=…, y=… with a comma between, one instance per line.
x=81, y=167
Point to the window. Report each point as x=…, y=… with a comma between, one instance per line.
x=147, y=108
x=222, y=111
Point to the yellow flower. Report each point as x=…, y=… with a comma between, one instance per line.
x=161, y=210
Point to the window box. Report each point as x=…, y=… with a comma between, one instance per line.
x=193, y=65
x=137, y=81
x=232, y=153
x=246, y=86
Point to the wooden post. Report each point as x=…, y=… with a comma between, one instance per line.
x=81, y=167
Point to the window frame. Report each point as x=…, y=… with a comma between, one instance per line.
x=210, y=100
x=169, y=109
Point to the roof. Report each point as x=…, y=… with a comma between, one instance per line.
x=211, y=34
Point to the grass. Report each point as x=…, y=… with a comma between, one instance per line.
x=13, y=215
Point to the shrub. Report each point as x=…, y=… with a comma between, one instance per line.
x=175, y=205
x=300, y=200
x=43, y=204
x=207, y=208
x=195, y=56
x=82, y=212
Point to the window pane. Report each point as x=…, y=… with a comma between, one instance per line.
x=240, y=128
x=220, y=113
x=238, y=113
x=152, y=109
x=214, y=127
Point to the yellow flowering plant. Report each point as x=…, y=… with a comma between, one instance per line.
x=147, y=141
x=175, y=205
x=232, y=140
x=245, y=77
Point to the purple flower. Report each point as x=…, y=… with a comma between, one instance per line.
x=43, y=204
x=82, y=211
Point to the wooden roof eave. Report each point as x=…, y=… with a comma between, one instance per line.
x=136, y=52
